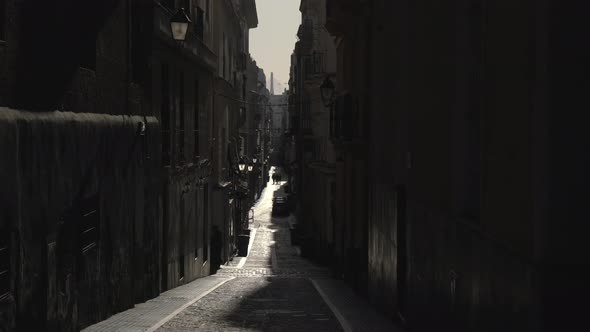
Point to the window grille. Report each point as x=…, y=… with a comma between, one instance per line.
x=87, y=217
x=180, y=129
x=181, y=267
x=206, y=223
x=4, y=264
x=165, y=115
x=196, y=120
x=197, y=201
x=90, y=222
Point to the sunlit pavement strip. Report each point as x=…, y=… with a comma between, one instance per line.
x=157, y=311
x=353, y=313
x=272, y=289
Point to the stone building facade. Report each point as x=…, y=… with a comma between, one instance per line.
x=80, y=198
x=110, y=167
x=315, y=175
x=460, y=165
x=233, y=20
x=181, y=79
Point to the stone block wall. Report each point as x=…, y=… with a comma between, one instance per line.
x=81, y=202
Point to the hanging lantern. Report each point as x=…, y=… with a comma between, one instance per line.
x=179, y=25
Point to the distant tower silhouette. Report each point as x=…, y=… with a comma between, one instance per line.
x=272, y=83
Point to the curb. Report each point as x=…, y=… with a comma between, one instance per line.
x=343, y=322
x=186, y=305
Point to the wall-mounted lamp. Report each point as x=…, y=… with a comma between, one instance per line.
x=179, y=25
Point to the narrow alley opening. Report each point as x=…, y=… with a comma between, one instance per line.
x=294, y=165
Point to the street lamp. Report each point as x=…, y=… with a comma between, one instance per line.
x=179, y=25
x=327, y=89
x=250, y=168
x=241, y=166
x=254, y=160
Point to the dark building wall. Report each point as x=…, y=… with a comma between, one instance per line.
x=469, y=141
x=49, y=75
x=181, y=100
x=68, y=269
x=561, y=242
x=450, y=230
x=475, y=159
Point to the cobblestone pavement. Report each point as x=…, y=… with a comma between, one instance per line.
x=272, y=290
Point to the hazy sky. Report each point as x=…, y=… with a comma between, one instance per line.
x=272, y=43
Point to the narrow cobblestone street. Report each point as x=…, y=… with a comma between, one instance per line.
x=272, y=290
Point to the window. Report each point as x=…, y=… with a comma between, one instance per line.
x=308, y=67
x=242, y=143
x=181, y=238
x=88, y=222
x=89, y=225
x=196, y=119
x=140, y=45
x=244, y=82
x=2, y=19
x=88, y=55
x=165, y=116
x=4, y=264
x=197, y=223
x=199, y=22
x=181, y=267
x=224, y=48
x=180, y=131
x=318, y=63
x=168, y=3
x=206, y=222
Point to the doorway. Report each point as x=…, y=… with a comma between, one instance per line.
x=402, y=250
